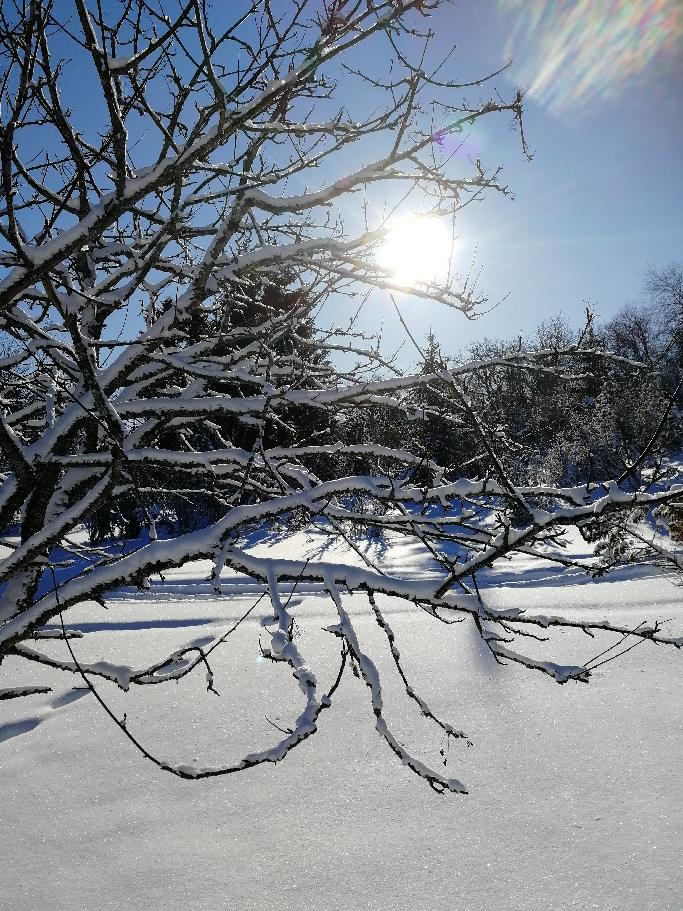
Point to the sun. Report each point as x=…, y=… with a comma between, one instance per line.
x=418, y=250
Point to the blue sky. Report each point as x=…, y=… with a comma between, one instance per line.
x=601, y=201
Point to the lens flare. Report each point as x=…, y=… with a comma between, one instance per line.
x=415, y=251
x=571, y=53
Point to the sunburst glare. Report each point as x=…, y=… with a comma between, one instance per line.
x=418, y=250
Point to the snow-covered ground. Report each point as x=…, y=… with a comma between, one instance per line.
x=575, y=791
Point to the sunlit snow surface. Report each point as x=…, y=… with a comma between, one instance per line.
x=575, y=791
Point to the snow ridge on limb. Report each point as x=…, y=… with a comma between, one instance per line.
x=371, y=677
x=17, y=692
x=306, y=725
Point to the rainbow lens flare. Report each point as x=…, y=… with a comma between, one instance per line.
x=569, y=54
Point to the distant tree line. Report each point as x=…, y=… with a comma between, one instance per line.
x=582, y=419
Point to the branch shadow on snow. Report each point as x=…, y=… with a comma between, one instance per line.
x=129, y=625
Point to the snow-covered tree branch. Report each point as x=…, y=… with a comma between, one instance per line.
x=165, y=241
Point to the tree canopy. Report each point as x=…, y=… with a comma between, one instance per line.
x=165, y=239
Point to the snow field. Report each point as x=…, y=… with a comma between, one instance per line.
x=575, y=797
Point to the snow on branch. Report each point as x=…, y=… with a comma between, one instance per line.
x=171, y=243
